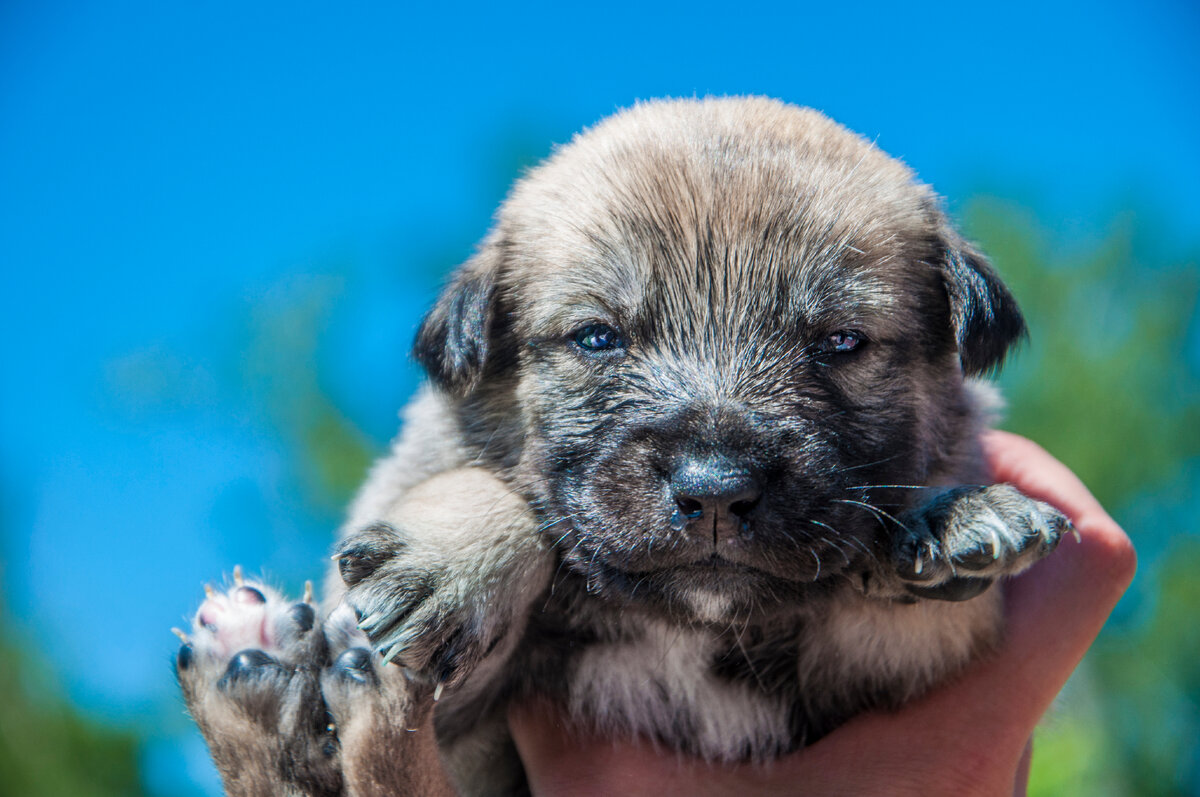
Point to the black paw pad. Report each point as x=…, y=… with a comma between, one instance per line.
x=183, y=659
x=303, y=616
x=250, y=663
x=355, y=665
x=956, y=589
x=359, y=557
x=978, y=559
x=916, y=559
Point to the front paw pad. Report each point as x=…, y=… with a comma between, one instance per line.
x=955, y=546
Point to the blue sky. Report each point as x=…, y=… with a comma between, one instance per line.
x=168, y=169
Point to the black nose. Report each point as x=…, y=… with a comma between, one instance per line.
x=716, y=492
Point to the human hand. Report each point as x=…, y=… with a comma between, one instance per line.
x=970, y=736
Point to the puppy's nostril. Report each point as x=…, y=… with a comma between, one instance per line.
x=722, y=492
x=689, y=507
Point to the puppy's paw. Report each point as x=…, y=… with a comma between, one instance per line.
x=357, y=683
x=448, y=582
x=384, y=720
x=955, y=546
x=249, y=672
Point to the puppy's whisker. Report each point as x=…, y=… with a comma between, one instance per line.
x=874, y=510
x=867, y=465
x=890, y=487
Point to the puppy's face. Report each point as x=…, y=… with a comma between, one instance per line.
x=734, y=336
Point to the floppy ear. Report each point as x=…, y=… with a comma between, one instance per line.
x=453, y=341
x=984, y=315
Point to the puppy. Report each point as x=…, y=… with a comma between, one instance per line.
x=698, y=461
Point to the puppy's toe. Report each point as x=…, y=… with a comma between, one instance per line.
x=358, y=683
x=354, y=665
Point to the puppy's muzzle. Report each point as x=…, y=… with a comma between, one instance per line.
x=713, y=496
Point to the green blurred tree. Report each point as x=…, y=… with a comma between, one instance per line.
x=48, y=749
x=1108, y=384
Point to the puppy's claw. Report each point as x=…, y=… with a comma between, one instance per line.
x=184, y=638
x=1075, y=533
x=369, y=621
x=437, y=692
x=308, y=592
x=919, y=566
x=209, y=591
x=237, y=575
x=391, y=653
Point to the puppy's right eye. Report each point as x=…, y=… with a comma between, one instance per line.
x=598, y=338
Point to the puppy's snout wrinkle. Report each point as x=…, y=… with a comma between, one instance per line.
x=715, y=492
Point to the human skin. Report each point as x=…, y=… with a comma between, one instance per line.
x=969, y=737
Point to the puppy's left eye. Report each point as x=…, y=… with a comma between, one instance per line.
x=597, y=338
x=844, y=340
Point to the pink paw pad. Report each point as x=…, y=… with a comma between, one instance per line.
x=249, y=616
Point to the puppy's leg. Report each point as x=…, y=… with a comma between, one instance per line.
x=444, y=584
x=249, y=670
x=384, y=722
x=957, y=544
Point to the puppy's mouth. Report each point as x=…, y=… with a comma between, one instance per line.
x=709, y=589
x=724, y=565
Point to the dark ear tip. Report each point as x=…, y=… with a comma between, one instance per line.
x=983, y=352
x=987, y=322
x=452, y=342
x=988, y=362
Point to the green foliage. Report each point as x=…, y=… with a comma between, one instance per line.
x=1109, y=386
x=47, y=749
x=1149, y=679
x=1105, y=382
x=330, y=454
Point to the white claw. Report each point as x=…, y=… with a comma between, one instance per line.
x=995, y=543
x=209, y=591
x=182, y=636
x=308, y=592
x=391, y=654
x=367, y=621
x=437, y=692
x=1075, y=532
x=237, y=575
x=920, y=565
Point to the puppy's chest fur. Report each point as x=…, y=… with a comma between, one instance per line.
x=730, y=691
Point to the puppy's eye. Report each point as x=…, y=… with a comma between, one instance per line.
x=598, y=337
x=843, y=341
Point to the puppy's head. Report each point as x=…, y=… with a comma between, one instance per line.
x=721, y=342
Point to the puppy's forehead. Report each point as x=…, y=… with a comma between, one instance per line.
x=699, y=206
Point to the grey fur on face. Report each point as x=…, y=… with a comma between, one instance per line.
x=699, y=459
x=724, y=245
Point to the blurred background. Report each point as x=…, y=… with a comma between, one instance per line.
x=220, y=223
